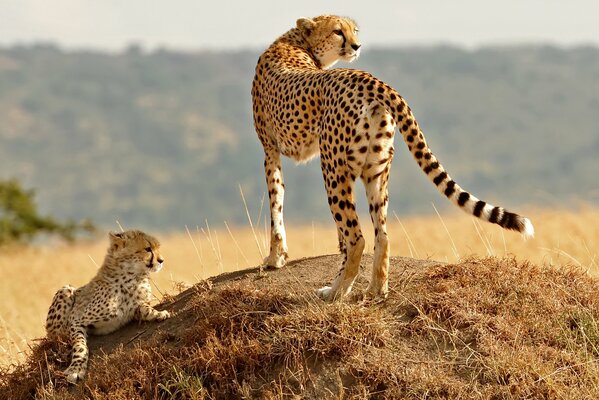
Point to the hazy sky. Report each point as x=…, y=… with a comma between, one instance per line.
x=201, y=24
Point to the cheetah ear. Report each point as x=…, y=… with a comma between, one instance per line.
x=305, y=25
x=117, y=240
x=115, y=236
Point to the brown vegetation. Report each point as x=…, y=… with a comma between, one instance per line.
x=481, y=328
x=562, y=238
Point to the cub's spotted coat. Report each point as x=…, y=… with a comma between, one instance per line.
x=119, y=293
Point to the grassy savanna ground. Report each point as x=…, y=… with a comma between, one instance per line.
x=30, y=276
x=483, y=328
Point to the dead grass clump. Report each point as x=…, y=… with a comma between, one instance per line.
x=493, y=328
x=244, y=342
x=125, y=374
x=271, y=338
x=36, y=374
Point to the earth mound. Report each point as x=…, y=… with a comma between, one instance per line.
x=482, y=328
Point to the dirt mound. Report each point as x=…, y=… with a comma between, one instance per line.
x=491, y=328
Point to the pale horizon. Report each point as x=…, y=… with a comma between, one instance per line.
x=191, y=25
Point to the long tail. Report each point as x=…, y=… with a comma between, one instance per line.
x=416, y=142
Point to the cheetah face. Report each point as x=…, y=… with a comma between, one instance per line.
x=154, y=259
x=330, y=38
x=138, y=252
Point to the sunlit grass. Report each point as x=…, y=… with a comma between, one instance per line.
x=31, y=276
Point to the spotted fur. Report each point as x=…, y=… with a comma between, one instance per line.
x=303, y=109
x=120, y=292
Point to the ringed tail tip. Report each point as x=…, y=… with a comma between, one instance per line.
x=529, y=231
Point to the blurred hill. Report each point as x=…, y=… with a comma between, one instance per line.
x=162, y=139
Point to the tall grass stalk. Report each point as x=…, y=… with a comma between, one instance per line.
x=247, y=212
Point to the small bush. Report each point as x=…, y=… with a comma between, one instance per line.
x=21, y=222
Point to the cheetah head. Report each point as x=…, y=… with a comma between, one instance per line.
x=330, y=38
x=136, y=251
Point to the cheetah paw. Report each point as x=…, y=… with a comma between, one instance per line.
x=74, y=374
x=163, y=315
x=276, y=261
x=325, y=293
x=376, y=295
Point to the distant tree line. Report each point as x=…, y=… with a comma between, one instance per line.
x=163, y=139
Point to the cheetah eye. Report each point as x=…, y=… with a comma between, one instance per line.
x=338, y=32
x=149, y=249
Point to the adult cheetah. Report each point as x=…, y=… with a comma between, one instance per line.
x=302, y=109
x=119, y=293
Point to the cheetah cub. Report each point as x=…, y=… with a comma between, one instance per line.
x=120, y=292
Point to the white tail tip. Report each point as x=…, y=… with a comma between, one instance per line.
x=529, y=230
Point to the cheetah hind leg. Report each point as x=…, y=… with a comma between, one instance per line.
x=58, y=313
x=80, y=353
x=376, y=179
x=325, y=291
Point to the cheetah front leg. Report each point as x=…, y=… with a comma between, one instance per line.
x=149, y=313
x=340, y=185
x=144, y=311
x=59, y=311
x=276, y=194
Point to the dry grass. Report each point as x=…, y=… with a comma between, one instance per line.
x=30, y=276
x=482, y=328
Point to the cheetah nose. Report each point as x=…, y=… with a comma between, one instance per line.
x=160, y=260
x=355, y=46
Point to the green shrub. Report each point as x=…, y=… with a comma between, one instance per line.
x=21, y=222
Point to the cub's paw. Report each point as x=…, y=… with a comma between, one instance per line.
x=162, y=315
x=74, y=374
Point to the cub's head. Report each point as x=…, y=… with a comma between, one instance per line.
x=136, y=251
x=330, y=38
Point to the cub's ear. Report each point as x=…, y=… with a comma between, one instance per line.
x=305, y=25
x=115, y=237
x=117, y=240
